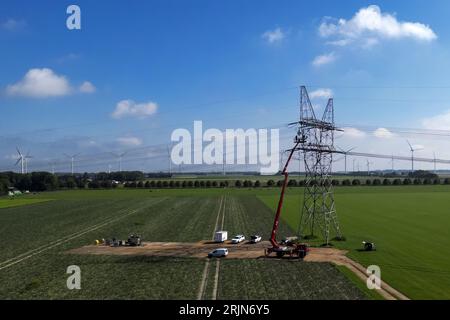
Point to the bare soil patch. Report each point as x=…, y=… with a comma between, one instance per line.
x=243, y=250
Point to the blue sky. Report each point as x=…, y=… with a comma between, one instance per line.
x=232, y=64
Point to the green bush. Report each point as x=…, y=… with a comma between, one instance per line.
x=292, y=183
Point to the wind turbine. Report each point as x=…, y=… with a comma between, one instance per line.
x=368, y=166
x=412, y=155
x=345, y=152
x=170, y=160
x=25, y=159
x=119, y=156
x=21, y=159
x=52, y=165
x=434, y=160
x=392, y=162
x=72, y=158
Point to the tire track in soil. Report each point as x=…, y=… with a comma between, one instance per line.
x=204, y=281
x=31, y=253
x=216, y=276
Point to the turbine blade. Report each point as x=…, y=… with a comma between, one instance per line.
x=410, y=146
x=18, y=151
x=18, y=160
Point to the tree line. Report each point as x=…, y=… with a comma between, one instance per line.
x=159, y=184
x=45, y=181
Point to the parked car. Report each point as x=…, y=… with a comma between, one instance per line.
x=255, y=238
x=237, y=239
x=219, y=252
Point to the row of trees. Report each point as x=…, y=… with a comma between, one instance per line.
x=45, y=181
x=271, y=183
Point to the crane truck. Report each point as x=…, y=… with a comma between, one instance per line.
x=286, y=248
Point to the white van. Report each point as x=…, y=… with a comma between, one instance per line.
x=219, y=252
x=220, y=236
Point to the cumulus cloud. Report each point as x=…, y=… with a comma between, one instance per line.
x=13, y=24
x=129, y=141
x=87, y=87
x=40, y=83
x=383, y=133
x=350, y=132
x=43, y=83
x=439, y=122
x=273, y=36
x=322, y=93
x=369, y=25
x=129, y=108
x=324, y=59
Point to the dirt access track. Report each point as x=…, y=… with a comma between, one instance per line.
x=243, y=250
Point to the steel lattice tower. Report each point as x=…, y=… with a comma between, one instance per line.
x=316, y=142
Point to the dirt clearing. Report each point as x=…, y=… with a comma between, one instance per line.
x=243, y=250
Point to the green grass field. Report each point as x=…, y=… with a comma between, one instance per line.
x=409, y=226
x=34, y=259
x=15, y=202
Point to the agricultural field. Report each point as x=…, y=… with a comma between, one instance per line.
x=15, y=202
x=39, y=235
x=409, y=226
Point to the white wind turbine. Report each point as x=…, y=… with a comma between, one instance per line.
x=25, y=159
x=72, y=158
x=119, y=156
x=345, y=152
x=21, y=159
x=368, y=166
x=412, y=154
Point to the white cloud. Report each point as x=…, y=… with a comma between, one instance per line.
x=128, y=108
x=383, y=133
x=40, y=83
x=13, y=24
x=273, y=36
x=369, y=25
x=321, y=93
x=87, y=87
x=439, y=122
x=353, y=133
x=324, y=59
x=129, y=141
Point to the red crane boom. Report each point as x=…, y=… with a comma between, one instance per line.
x=273, y=239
